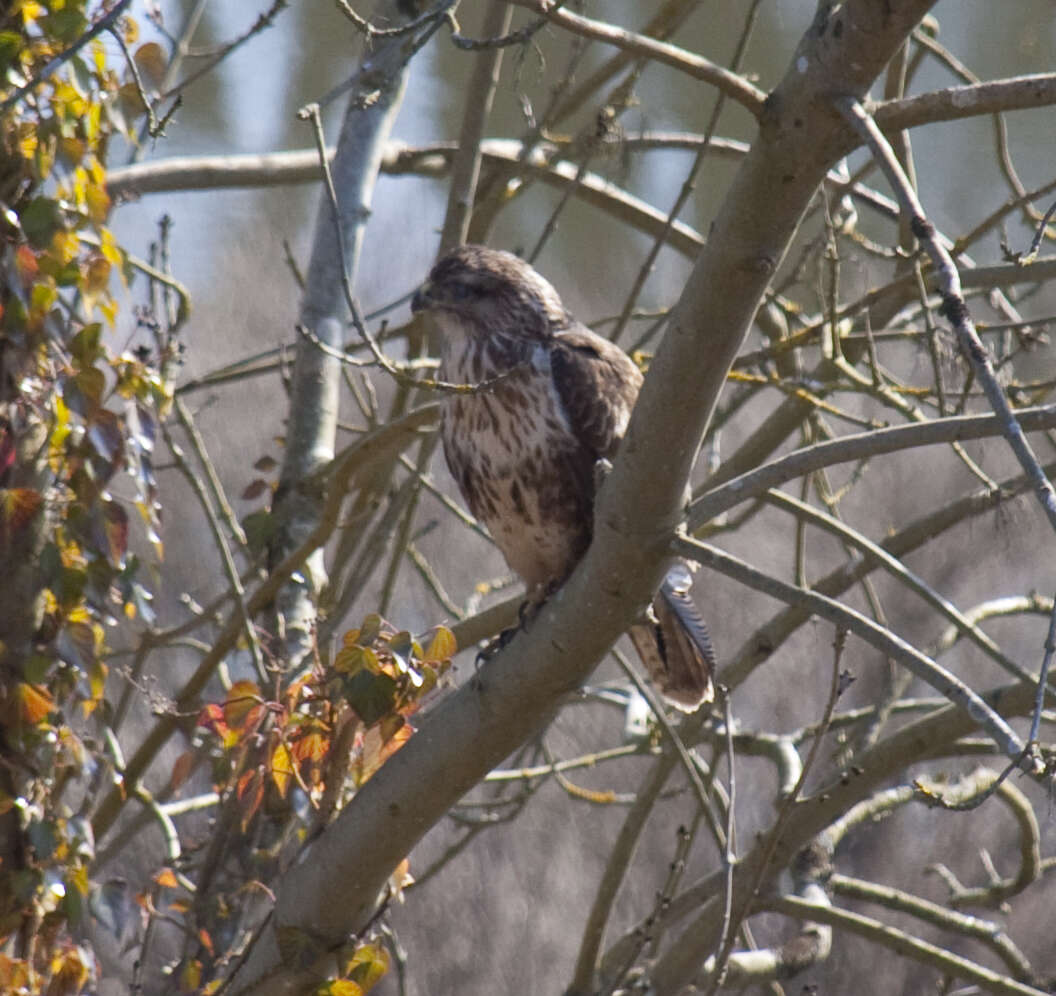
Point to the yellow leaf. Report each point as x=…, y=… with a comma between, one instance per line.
x=98, y=201
x=68, y=99
x=96, y=171
x=78, y=879
x=108, y=306
x=27, y=144
x=281, y=768
x=351, y=660
x=65, y=245
x=370, y=962
x=96, y=275
x=109, y=248
x=191, y=976
x=442, y=647
x=31, y=11
x=92, y=120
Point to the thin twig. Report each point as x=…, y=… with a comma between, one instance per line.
x=690, y=182
x=953, y=306
x=857, y=447
x=398, y=373
x=884, y=640
x=262, y=22
x=900, y=942
x=736, y=87
x=839, y=682
x=230, y=569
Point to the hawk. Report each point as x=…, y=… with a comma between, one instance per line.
x=524, y=449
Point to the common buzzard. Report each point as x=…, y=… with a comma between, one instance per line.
x=524, y=449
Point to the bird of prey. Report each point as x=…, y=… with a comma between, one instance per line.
x=524, y=450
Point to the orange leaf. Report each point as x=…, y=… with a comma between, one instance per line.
x=166, y=879
x=69, y=973
x=151, y=62
x=26, y=265
x=34, y=703
x=378, y=747
x=251, y=793
x=311, y=747
x=212, y=718
x=207, y=941
x=181, y=770
x=18, y=507
x=241, y=702
x=400, y=878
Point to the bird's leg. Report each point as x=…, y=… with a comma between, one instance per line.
x=526, y=613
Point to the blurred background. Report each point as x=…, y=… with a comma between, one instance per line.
x=505, y=913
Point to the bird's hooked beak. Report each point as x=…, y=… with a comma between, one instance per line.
x=423, y=298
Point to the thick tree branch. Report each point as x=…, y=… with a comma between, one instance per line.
x=639, y=508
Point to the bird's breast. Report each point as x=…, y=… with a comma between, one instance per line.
x=514, y=457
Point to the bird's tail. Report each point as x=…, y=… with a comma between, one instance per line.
x=674, y=644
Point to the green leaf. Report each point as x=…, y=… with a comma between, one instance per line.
x=41, y=219
x=353, y=659
x=260, y=529
x=370, y=629
x=70, y=586
x=371, y=695
x=67, y=24
x=85, y=346
x=10, y=46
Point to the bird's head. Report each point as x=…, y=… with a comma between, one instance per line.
x=479, y=292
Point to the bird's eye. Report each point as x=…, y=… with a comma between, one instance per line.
x=459, y=291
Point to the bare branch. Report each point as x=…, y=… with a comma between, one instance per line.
x=733, y=85
x=1018, y=94
x=908, y=656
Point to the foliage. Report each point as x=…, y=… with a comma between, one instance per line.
x=79, y=420
x=74, y=414
x=281, y=765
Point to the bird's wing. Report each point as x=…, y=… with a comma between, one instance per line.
x=597, y=384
